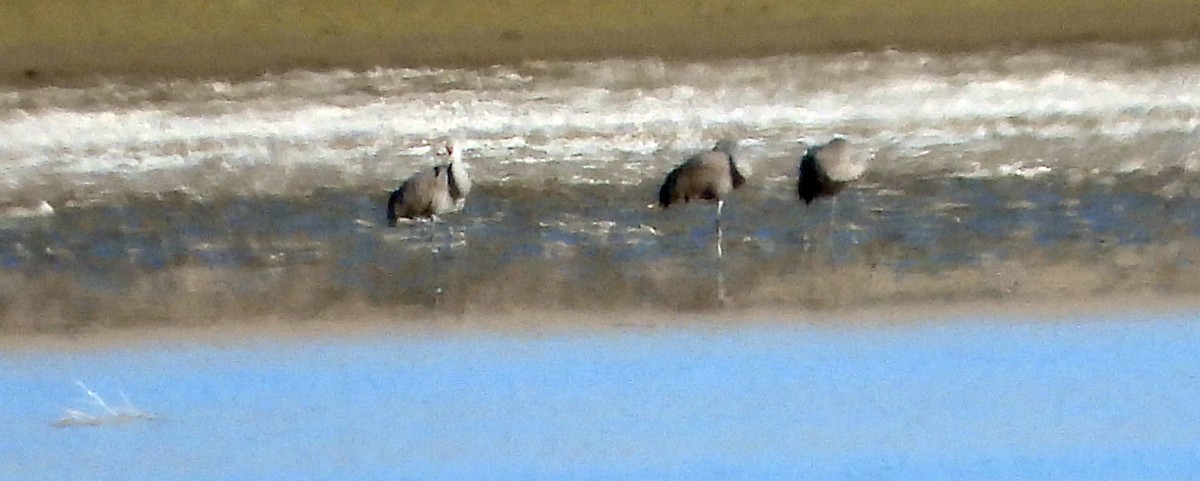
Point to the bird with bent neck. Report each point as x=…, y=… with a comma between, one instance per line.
x=439, y=190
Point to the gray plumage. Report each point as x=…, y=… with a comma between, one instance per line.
x=440, y=190
x=826, y=169
x=708, y=175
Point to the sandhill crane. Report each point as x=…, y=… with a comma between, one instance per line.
x=826, y=169
x=706, y=176
x=432, y=192
x=440, y=190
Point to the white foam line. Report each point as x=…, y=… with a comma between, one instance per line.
x=918, y=111
x=1055, y=95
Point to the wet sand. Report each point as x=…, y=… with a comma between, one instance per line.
x=374, y=325
x=479, y=284
x=55, y=41
x=587, y=288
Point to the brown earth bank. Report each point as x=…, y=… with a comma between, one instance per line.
x=49, y=41
x=532, y=297
x=366, y=325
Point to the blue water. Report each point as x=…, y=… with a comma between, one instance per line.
x=1060, y=399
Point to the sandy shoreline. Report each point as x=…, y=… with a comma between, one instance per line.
x=51, y=42
x=540, y=323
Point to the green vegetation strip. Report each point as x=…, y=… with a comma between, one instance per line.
x=49, y=38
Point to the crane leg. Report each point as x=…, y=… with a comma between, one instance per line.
x=436, y=251
x=833, y=228
x=720, y=257
x=720, y=203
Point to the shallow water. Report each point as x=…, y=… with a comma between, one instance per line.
x=1003, y=398
x=175, y=199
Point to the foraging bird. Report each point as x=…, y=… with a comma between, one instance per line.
x=826, y=169
x=440, y=190
x=707, y=176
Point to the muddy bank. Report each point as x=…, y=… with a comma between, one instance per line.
x=593, y=291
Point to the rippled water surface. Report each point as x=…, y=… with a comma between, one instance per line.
x=1070, y=170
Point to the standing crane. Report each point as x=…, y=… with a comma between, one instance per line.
x=440, y=190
